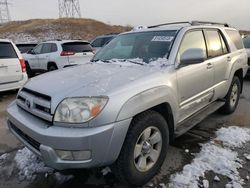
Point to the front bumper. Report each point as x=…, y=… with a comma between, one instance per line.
x=104, y=142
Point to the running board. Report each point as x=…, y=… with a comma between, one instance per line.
x=193, y=120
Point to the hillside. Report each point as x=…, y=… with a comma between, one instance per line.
x=65, y=28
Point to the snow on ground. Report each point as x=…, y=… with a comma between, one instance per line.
x=220, y=159
x=29, y=164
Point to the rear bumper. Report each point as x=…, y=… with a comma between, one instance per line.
x=14, y=85
x=104, y=142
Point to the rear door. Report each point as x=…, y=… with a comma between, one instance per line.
x=218, y=55
x=78, y=52
x=10, y=69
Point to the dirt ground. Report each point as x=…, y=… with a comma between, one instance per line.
x=176, y=158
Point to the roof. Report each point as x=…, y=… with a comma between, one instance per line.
x=64, y=41
x=5, y=40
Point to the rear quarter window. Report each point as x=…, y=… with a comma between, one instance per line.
x=77, y=47
x=235, y=38
x=7, y=50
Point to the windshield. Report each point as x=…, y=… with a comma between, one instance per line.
x=246, y=42
x=148, y=46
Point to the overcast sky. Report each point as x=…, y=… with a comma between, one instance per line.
x=142, y=12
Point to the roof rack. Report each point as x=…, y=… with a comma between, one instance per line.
x=193, y=23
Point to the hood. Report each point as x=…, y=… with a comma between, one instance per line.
x=92, y=79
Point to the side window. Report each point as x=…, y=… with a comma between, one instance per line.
x=38, y=49
x=46, y=48
x=192, y=40
x=53, y=48
x=214, y=43
x=235, y=38
x=224, y=46
x=97, y=42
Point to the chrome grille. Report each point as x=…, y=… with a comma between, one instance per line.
x=35, y=103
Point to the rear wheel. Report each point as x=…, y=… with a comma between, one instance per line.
x=232, y=97
x=52, y=67
x=144, y=149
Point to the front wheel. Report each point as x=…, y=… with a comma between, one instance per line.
x=144, y=149
x=232, y=97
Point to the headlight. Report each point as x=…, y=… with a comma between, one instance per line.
x=79, y=110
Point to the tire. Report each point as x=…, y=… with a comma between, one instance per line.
x=28, y=70
x=232, y=97
x=128, y=168
x=52, y=68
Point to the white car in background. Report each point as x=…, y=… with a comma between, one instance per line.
x=57, y=54
x=246, y=41
x=12, y=66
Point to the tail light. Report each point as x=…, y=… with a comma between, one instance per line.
x=65, y=53
x=23, y=66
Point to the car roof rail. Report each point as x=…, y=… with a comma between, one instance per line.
x=208, y=23
x=171, y=23
x=192, y=23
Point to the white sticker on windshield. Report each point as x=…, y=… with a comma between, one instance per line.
x=162, y=38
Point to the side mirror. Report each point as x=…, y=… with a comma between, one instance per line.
x=193, y=56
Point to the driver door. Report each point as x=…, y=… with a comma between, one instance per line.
x=194, y=79
x=34, y=57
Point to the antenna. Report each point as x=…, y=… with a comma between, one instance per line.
x=4, y=12
x=69, y=8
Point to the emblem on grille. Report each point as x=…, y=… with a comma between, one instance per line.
x=27, y=103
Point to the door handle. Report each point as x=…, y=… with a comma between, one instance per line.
x=3, y=67
x=229, y=59
x=210, y=66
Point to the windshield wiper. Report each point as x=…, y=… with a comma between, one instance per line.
x=96, y=60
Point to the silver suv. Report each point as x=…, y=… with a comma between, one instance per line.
x=141, y=91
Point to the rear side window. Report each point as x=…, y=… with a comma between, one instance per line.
x=77, y=47
x=7, y=50
x=235, y=38
x=25, y=47
x=214, y=43
x=53, y=48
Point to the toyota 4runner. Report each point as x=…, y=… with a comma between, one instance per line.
x=138, y=93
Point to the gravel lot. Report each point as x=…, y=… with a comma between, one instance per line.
x=179, y=154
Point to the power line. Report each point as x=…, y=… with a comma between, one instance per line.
x=69, y=8
x=4, y=12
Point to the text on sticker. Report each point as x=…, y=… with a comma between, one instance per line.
x=162, y=38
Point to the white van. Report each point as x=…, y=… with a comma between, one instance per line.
x=12, y=66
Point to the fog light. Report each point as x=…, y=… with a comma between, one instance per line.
x=74, y=155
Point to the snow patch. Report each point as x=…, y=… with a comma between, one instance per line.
x=213, y=157
x=233, y=136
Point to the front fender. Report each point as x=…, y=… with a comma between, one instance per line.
x=148, y=99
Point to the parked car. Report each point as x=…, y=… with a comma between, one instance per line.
x=25, y=47
x=140, y=91
x=102, y=40
x=52, y=55
x=12, y=67
x=246, y=41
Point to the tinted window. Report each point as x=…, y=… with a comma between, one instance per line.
x=25, y=47
x=53, y=48
x=235, y=38
x=77, y=47
x=224, y=46
x=106, y=40
x=193, y=39
x=147, y=46
x=38, y=49
x=246, y=42
x=97, y=42
x=214, y=43
x=7, y=50
x=46, y=48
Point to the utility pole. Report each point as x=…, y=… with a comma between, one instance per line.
x=69, y=8
x=4, y=12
